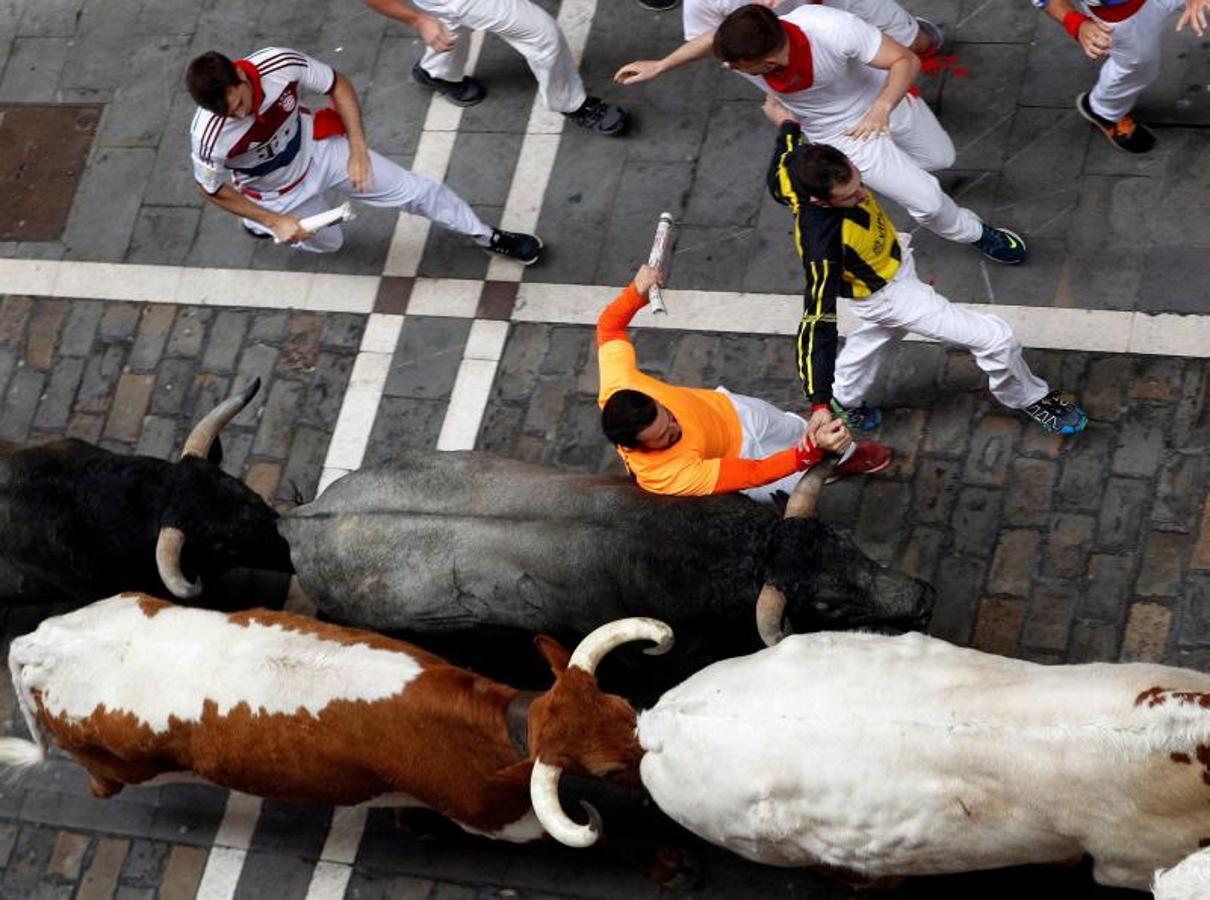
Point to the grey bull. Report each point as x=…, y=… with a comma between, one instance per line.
x=442, y=542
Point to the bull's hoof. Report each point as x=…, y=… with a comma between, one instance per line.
x=676, y=870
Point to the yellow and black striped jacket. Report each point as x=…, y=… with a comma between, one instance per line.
x=845, y=251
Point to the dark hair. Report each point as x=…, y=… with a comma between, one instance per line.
x=625, y=414
x=817, y=168
x=751, y=32
x=207, y=80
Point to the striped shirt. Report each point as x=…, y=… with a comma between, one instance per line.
x=270, y=150
x=846, y=252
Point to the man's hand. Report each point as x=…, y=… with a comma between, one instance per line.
x=875, y=123
x=288, y=229
x=834, y=437
x=818, y=419
x=435, y=35
x=645, y=277
x=1096, y=37
x=776, y=112
x=1194, y=16
x=638, y=71
x=360, y=171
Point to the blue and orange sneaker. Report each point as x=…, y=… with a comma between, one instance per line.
x=1058, y=413
x=860, y=418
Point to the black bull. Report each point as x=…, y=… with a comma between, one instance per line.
x=81, y=523
x=440, y=543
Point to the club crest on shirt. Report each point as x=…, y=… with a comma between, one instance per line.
x=287, y=101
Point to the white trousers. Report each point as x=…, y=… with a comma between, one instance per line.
x=909, y=306
x=1134, y=59
x=392, y=186
x=898, y=166
x=525, y=27
x=768, y=430
x=886, y=15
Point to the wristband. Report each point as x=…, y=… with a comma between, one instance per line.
x=1072, y=22
x=816, y=407
x=806, y=456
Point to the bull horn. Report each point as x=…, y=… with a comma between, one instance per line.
x=593, y=648
x=770, y=607
x=805, y=495
x=205, y=431
x=544, y=795
x=168, y=560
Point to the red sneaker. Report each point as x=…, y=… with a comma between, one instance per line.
x=868, y=458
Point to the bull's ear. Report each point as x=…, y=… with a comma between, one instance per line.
x=554, y=653
x=216, y=452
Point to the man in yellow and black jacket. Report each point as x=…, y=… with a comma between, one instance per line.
x=849, y=248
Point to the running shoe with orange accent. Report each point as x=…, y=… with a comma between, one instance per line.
x=1126, y=134
x=866, y=459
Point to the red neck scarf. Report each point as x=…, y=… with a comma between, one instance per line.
x=258, y=94
x=798, y=73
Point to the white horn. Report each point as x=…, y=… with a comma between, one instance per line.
x=805, y=495
x=204, y=432
x=770, y=608
x=593, y=648
x=544, y=795
x=168, y=560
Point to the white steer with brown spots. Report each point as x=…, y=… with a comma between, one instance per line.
x=281, y=706
x=891, y=756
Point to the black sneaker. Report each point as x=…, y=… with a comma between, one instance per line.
x=596, y=115
x=1058, y=413
x=259, y=235
x=860, y=418
x=1126, y=134
x=658, y=5
x=524, y=248
x=466, y=92
x=1002, y=246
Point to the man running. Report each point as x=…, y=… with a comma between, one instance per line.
x=692, y=441
x=847, y=83
x=1126, y=34
x=849, y=248
x=281, y=159
x=525, y=27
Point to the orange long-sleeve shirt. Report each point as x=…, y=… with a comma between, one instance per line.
x=706, y=459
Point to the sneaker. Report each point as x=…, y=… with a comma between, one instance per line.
x=596, y=115
x=1126, y=134
x=658, y=5
x=1002, y=246
x=259, y=235
x=524, y=248
x=859, y=418
x=1058, y=413
x=466, y=92
x=935, y=33
x=866, y=459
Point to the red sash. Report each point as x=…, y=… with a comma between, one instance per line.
x=798, y=73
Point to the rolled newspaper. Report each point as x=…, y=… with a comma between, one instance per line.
x=312, y=224
x=661, y=249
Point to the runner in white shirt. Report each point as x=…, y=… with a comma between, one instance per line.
x=919, y=35
x=847, y=83
x=281, y=158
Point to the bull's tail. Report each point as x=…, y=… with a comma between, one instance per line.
x=18, y=754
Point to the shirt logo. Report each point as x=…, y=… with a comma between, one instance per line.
x=287, y=102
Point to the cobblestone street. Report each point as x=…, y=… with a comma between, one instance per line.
x=129, y=307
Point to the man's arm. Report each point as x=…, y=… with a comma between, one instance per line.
x=611, y=324
x=902, y=65
x=1094, y=37
x=646, y=69
x=431, y=29
x=789, y=137
x=1194, y=16
x=344, y=98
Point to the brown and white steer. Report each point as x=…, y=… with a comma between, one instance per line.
x=285, y=707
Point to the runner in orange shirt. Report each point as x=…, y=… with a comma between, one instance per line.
x=694, y=441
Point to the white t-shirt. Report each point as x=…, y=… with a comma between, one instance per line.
x=844, y=85
x=700, y=16
x=268, y=151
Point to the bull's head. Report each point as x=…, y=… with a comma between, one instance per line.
x=575, y=727
x=210, y=520
x=818, y=578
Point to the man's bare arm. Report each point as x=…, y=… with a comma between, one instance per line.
x=431, y=29
x=902, y=65
x=1094, y=37
x=344, y=98
x=646, y=69
x=285, y=227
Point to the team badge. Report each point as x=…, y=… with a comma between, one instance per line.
x=287, y=102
